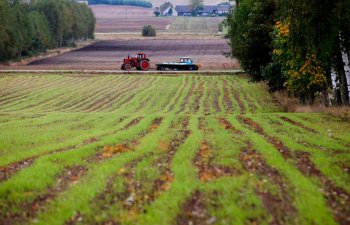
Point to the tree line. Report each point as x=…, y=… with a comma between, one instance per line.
x=139, y=3
x=26, y=29
x=299, y=46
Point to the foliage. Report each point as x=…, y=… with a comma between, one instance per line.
x=196, y=6
x=148, y=31
x=250, y=26
x=156, y=13
x=139, y=3
x=301, y=52
x=28, y=28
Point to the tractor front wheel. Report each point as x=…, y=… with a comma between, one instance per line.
x=144, y=65
x=127, y=66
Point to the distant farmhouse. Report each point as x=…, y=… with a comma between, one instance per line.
x=207, y=10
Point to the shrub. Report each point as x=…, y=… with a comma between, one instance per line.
x=148, y=31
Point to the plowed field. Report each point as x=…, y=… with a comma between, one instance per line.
x=144, y=149
x=109, y=54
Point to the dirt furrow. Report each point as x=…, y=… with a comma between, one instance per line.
x=295, y=123
x=279, y=205
x=7, y=171
x=207, y=170
x=132, y=95
x=171, y=108
x=47, y=88
x=197, y=101
x=228, y=126
x=237, y=97
x=28, y=211
x=227, y=99
x=216, y=98
x=338, y=199
x=188, y=97
x=109, y=99
x=194, y=212
x=59, y=98
x=134, y=196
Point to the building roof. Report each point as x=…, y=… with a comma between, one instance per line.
x=209, y=9
x=224, y=7
x=183, y=9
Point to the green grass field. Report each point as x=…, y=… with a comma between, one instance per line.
x=152, y=149
x=195, y=25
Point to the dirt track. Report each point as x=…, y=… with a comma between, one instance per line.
x=108, y=55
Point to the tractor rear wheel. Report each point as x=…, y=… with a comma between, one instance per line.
x=144, y=65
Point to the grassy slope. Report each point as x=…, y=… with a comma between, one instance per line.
x=162, y=150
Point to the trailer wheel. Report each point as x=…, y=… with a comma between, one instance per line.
x=122, y=67
x=127, y=66
x=162, y=68
x=144, y=65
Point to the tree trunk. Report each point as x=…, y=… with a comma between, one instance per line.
x=336, y=86
x=347, y=73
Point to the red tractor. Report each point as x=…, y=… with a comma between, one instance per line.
x=141, y=62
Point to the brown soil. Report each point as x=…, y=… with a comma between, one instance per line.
x=70, y=176
x=197, y=101
x=193, y=211
x=7, y=171
x=227, y=100
x=216, y=98
x=207, y=170
x=297, y=124
x=109, y=54
x=134, y=196
x=228, y=126
x=280, y=205
x=180, y=94
x=188, y=97
x=109, y=151
x=238, y=99
x=207, y=102
x=133, y=123
x=338, y=198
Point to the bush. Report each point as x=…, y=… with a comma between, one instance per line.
x=148, y=31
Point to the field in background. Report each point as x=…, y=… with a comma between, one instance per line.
x=150, y=149
x=109, y=54
x=119, y=19
x=186, y=2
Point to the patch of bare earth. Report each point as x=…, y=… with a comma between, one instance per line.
x=207, y=170
x=338, y=199
x=194, y=211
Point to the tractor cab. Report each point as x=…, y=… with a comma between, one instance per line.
x=186, y=60
x=141, y=56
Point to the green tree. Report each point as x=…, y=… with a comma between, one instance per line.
x=196, y=5
x=250, y=28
